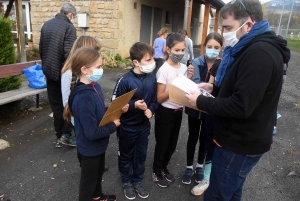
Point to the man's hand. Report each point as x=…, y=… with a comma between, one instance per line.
x=190, y=72
x=148, y=113
x=206, y=86
x=140, y=104
x=193, y=97
x=117, y=122
x=125, y=108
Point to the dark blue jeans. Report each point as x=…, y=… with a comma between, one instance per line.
x=228, y=174
x=133, y=144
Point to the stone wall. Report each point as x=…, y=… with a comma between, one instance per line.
x=105, y=18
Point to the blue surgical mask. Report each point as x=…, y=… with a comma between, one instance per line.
x=212, y=53
x=97, y=74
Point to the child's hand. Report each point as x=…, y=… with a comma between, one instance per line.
x=148, y=113
x=117, y=122
x=190, y=72
x=125, y=108
x=140, y=104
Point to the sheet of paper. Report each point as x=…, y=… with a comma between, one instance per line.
x=114, y=110
x=185, y=84
x=177, y=95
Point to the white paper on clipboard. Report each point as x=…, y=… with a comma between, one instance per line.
x=187, y=85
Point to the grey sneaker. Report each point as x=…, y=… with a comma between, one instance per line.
x=129, y=191
x=58, y=144
x=140, y=190
x=67, y=140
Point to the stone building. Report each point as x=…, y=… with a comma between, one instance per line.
x=119, y=23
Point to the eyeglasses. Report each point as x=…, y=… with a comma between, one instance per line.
x=247, y=11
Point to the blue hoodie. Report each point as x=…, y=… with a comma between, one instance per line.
x=86, y=102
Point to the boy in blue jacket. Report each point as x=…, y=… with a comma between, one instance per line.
x=135, y=126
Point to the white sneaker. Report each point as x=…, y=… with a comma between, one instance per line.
x=200, y=188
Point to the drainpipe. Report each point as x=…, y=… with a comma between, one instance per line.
x=186, y=13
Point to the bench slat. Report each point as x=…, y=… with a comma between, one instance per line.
x=17, y=95
x=15, y=69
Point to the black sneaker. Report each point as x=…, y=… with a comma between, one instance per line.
x=160, y=180
x=140, y=190
x=129, y=191
x=169, y=177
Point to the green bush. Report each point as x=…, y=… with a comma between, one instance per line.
x=118, y=57
x=9, y=83
x=7, y=50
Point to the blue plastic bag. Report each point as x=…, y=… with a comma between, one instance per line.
x=35, y=76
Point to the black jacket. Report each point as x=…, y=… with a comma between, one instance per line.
x=146, y=90
x=245, y=107
x=57, y=38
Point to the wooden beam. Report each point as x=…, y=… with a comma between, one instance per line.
x=190, y=19
x=205, y=26
x=8, y=9
x=217, y=18
x=20, y=27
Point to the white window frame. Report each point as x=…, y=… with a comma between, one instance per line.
x=28, y=20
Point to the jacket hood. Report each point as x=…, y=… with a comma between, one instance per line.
x=77, y=89
x=279, y=43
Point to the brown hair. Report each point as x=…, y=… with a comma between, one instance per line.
x=83, y=56
x=183, y=32
x=216, y=36
x=162, y=31
x=82, y=41
x=139, y=50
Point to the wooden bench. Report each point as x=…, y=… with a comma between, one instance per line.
x=24, y=91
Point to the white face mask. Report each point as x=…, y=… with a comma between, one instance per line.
x=231, y=38
x=148, y=68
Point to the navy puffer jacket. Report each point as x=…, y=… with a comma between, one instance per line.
x=57, y=38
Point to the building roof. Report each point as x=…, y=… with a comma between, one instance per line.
x=217, y=4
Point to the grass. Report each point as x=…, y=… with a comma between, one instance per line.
x=294, y=44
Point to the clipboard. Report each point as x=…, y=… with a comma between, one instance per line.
x=177, y=96
x=114, y=110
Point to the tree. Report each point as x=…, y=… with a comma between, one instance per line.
x=7, y=50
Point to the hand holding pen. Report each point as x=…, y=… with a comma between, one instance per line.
x=189, y=72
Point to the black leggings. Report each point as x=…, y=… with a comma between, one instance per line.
x=167, y=127
x=194, y=134
x=92, y=169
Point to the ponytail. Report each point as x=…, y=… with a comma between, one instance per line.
x=67, y=113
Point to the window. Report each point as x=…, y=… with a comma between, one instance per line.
x=168, y=17
x=26, y=20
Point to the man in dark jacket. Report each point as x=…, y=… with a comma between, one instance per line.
x=57, y=38
x=247, y=89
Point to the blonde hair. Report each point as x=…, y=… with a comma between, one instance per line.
x=82, y=41
x=83, y=56
x=162, y=31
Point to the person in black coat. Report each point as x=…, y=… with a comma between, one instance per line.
x=56, y=41
x=247, y=89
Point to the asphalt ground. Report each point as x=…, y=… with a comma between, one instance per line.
x=27, y=171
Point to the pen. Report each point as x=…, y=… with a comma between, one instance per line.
x=186, y=70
